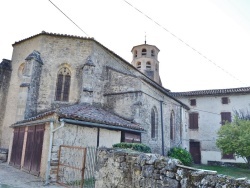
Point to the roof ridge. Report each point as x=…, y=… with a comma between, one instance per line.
x=212, y=91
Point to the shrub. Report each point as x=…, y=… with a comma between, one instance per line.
x=134, y=146
x=183, y=155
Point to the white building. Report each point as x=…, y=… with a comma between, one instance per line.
x=209, y=109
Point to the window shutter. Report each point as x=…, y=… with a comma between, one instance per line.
x=193, y=121
x=193, y=102
x=225, y=116
x=224, y=100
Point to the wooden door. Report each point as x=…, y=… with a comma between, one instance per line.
x=33, y=151
x=37, y=150
x=194, y=148
x=17, y=147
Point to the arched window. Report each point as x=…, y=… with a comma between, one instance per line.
x=135, y=53
x=138, y=65
x=153, y=123
x=148, y=65
x=21, y=70
x=144, y=51
x=172, y=125
x=63, y=84
x=152, y=53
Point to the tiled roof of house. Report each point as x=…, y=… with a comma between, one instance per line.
x=88, y=113
x=240, y=90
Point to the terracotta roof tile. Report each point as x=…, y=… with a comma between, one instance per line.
x=241, y=90
x=86, y=112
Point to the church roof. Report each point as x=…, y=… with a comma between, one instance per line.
x=145, y=45
x=87, y=113
x=240, y=90
x=144, y=77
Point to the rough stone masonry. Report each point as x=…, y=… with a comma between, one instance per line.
x=119, y=168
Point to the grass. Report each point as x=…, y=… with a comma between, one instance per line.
x=230, y=171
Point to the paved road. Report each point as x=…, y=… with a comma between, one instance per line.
x=11, y=177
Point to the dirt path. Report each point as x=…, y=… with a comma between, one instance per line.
x=11, y=177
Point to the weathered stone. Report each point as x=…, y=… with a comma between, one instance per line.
x=170, y=174
x=149, y=176
x=147, y=171
x=170, y=182
x=120, y=159
x=150, y=158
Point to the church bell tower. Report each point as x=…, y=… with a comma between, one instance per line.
x=145, y=59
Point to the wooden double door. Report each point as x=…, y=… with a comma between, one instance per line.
x=33, y=149
x=17, y=147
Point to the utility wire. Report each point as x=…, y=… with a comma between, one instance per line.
x=201, y=54
x=111, y=55
x=69, y=18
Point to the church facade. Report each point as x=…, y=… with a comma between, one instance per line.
x=69, y=90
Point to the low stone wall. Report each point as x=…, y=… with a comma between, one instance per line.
x=119, y=168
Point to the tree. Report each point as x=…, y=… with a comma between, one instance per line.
x=235, y=138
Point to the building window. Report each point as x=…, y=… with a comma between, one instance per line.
x=63, y=85
x=228, y=156
x=224, y=100
x=138, y=65
x=193, y=120
x=130, y=137
x=153, y=124
x=172, y=126
x=152, y=53
x=225, y=117
x=193, y=102
x=21, y=70
x=135, y=53
x=144, y=51
x=148, y=65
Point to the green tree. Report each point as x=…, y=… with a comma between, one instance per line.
x=235, y=138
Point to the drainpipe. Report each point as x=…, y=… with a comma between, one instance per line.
x=181, y=126
x=52, y=130
x=162, y=133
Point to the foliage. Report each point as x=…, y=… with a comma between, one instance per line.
x=134, y=146
x=242, y=114
x=183, y=155
x=234, y=138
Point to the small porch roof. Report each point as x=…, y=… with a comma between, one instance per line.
x=85, y=113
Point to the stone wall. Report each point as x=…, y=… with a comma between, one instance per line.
x=122, y=169
x=5, y=75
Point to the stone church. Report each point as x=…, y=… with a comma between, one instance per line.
x=69, y=90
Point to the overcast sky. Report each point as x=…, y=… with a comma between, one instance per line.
x=214, y=53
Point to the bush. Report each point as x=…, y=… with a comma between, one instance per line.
x=134, y=146
x=183, y=155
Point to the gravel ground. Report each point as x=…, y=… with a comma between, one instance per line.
x=11, y=177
